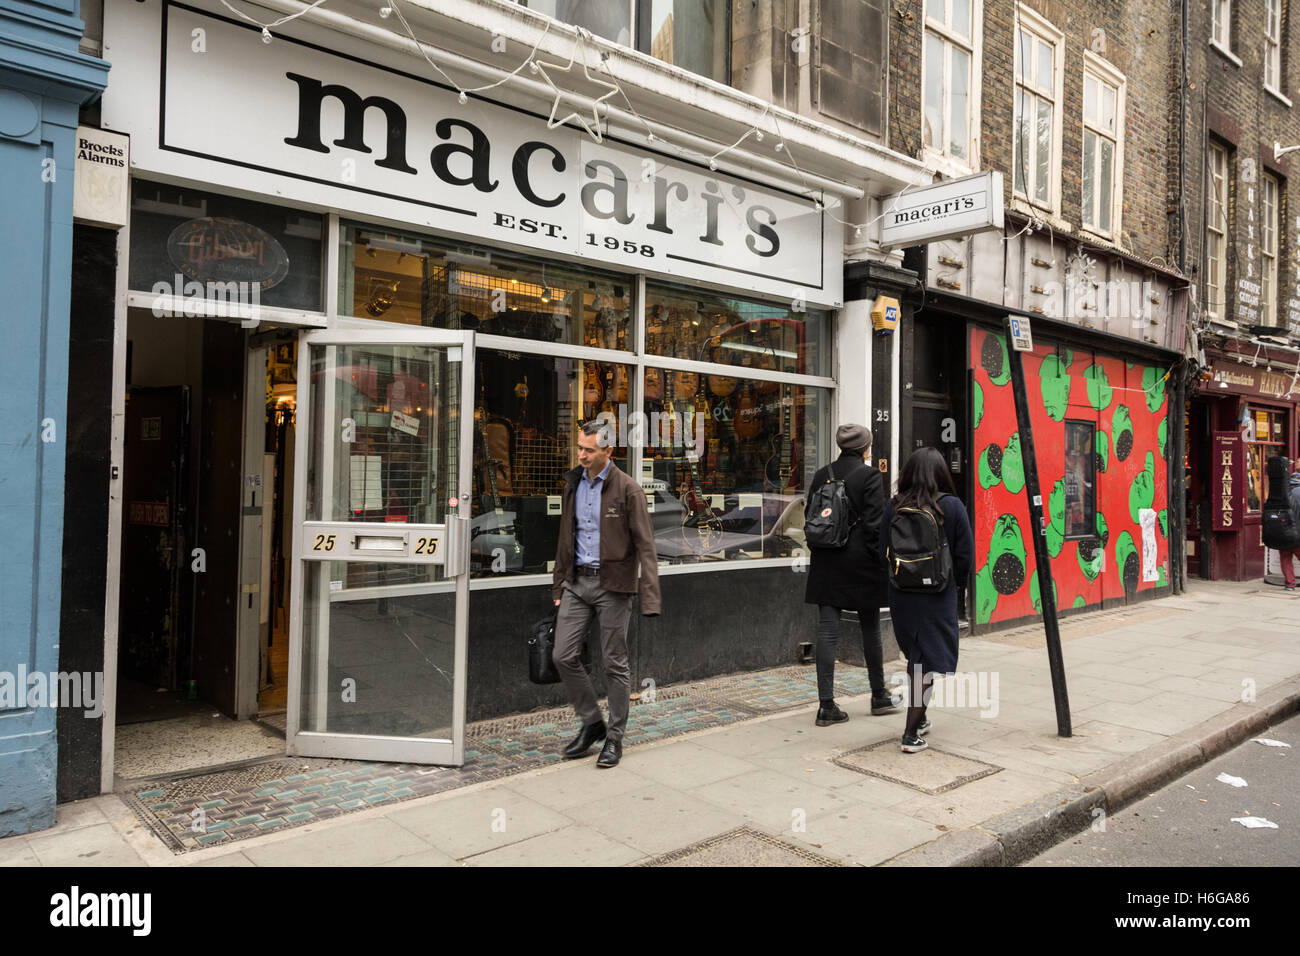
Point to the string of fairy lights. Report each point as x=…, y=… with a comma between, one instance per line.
x=391, y=9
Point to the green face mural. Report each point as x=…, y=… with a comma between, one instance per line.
x=1103, y=451
x=990, y=468
x=1153, y=383
x=1099, y=390
x=1143, y=490
x=1079, y=602
x=1054, y=382
x=1056, y=519
x=996, y=361
x=977, y=400
x=1128, y=561
x=1121, y=426
x=986, y=596
x=1007, y=555
x=1013, y=466
x=1162, y=434
x=1091, y=555
x=1164, y=521
x=1004, y=572
x=1036, y=596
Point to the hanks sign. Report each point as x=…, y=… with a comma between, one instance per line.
x=324, y=124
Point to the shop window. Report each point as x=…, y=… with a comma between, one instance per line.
x=527, y=413
x=692, y=34
x=417, y=280
x=1264, y=434
x=726, y=461
x=203, y=246
x=705, y=327
x=1080, y=481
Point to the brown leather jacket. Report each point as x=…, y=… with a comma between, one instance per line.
x=626, y=539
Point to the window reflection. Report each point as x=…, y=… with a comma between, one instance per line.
x=704, y=327
x=416, y=280
x=726, y=462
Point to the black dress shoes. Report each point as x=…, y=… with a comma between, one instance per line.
x=610, y=755
x=590, y=734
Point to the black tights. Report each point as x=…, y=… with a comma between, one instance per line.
x=919, y=687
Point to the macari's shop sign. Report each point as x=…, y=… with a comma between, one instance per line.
x=1226, y=468
x=337, y=124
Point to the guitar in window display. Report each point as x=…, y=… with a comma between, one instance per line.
x=779, y=470
x=701, y=523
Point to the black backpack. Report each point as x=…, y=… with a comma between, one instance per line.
x=1281, y=518
x=917, y=552
x=830, y=516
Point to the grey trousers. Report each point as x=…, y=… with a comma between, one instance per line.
x=580, y=600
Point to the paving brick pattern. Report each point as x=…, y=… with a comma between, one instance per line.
x=195, y=812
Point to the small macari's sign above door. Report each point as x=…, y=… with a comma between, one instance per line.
x=341, y=124
x=946, y=210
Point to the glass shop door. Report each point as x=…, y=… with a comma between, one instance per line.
x=381, y=587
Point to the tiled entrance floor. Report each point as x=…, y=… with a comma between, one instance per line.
x=193, y=812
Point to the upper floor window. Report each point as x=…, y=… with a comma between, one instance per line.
x=1216, y=231
x=1221, y=23
x=950, y=109
x=691, y=34
x=1273, y=44
x=1103, y=125
x=1269, y=196
x=1038, y=100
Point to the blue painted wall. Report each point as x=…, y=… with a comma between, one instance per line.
x=43, y=82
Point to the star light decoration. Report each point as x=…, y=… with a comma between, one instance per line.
x=579, y=49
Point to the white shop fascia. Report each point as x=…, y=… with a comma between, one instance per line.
x=338, y=114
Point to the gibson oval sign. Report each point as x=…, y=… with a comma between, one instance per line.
x=215, y=249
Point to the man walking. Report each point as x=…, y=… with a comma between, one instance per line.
x=605, y=533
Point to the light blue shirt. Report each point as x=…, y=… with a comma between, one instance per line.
x=586, y=513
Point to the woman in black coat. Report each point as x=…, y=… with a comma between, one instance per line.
x=851, y=577
x=925, y=624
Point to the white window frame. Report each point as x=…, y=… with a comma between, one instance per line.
x=1221, y=24
x=1106, y=75
x=942, y=159
x=1039, y=29
x=1216, y=198
x=1268, y=247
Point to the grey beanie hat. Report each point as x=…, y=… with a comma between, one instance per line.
x=853, y=437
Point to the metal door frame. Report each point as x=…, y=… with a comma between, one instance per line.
x=375, y=747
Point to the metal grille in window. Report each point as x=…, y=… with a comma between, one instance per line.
x=495, y=303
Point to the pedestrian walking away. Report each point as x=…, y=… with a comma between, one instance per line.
x=1291, y=555
x=605, y=537
x=851, y=576
x=923, y=576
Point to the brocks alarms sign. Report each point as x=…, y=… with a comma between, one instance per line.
x=322, y=124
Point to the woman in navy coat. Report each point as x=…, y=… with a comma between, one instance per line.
x=925, y=625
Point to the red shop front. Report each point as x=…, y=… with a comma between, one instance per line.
x=1241, y=415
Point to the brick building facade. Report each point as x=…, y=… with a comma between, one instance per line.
x=1241, y=240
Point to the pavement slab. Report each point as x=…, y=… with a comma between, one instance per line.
x=733, y=771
